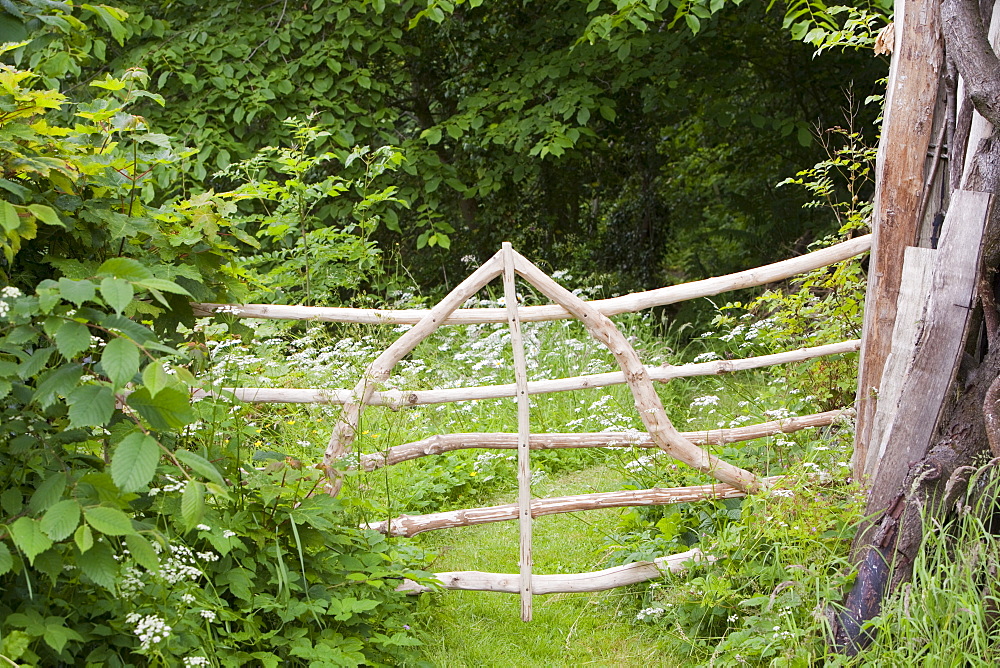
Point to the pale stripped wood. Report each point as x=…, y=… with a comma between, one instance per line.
x=771, y=273
x=396, y=399
x=609, y=578
x=411, y=525
x=441, y=443
x=378, y=371
x=647, y=402
x=523, y=430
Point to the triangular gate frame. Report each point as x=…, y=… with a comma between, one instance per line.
x=508, y=263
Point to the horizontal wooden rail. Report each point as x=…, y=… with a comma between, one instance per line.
x=411, y=525
x=630, y=303
x=396, y=399
x=441, y=443
x=609, y=578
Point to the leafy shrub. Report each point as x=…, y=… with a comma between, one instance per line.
x=130, y=532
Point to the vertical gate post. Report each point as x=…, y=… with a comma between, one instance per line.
x=523, y=430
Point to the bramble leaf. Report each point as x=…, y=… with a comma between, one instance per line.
x=134, y=462
x=29, y=537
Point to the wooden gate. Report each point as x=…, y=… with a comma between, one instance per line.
x=508, y=264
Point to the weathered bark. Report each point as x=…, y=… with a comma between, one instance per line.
x=922, y=481
x=933, y=481
x=900, y=176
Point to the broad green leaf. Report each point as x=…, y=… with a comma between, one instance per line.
x=61, y=519
x=100, y=565
x=432, y=135
x=59, y=381
x=192, y=503
x=163, y=285
x=77, y=292
x=109, y=521
x=169, y=411
x=29, y=537
x=6, y=558
x=130, y=328
x=48, y=493
x=72, y=338
x=143, y=552
x=155, y=378
x=90, y=406
x=134, y=462
x=57, y=634
x=117, y=292
x=84, y=538
x=120, y=360
x=46, y=214
x=11, y=501
x=127, y=268
x=31, y=366
x=201, y=466
x=8, y=217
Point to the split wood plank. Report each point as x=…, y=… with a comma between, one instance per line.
x=911, y=98
x=941, y=338
x=378, y=371
x=609, y=578
x=396, y=399
x=630, y=303
x=647, y=402
x=441, y=443
x=411, y=525
x=523, y=430
x=914, y=292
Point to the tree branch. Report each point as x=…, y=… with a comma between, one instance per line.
x=967, y=43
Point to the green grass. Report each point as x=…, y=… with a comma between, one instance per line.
x=470, y=628
x=949, y=614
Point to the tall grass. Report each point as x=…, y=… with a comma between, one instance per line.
x=949, y=613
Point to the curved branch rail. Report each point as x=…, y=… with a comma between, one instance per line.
x=396, y=399
x=441, y=443
x=609, y=578
x=647, y=401
x=630, y=303
x=411, y=525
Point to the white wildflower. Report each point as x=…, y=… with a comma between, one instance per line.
x=151, y=630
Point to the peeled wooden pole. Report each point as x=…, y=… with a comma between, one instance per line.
x=673, y=294
x=441, y=443
x=646, y=400
x=396, y=399
x=523, y=430
x=609, y=578
x=411, y=525
x=379, y=370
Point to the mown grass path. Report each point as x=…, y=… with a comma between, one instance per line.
x=484, y=629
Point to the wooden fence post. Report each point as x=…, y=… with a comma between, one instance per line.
x=911, y=97
x=523, y=430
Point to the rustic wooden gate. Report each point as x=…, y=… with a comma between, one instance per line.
x=660, y=432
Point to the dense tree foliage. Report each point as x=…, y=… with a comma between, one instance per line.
x=616, y=142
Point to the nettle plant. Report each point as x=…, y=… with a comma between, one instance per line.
x=315, y=227
x=131, y=533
